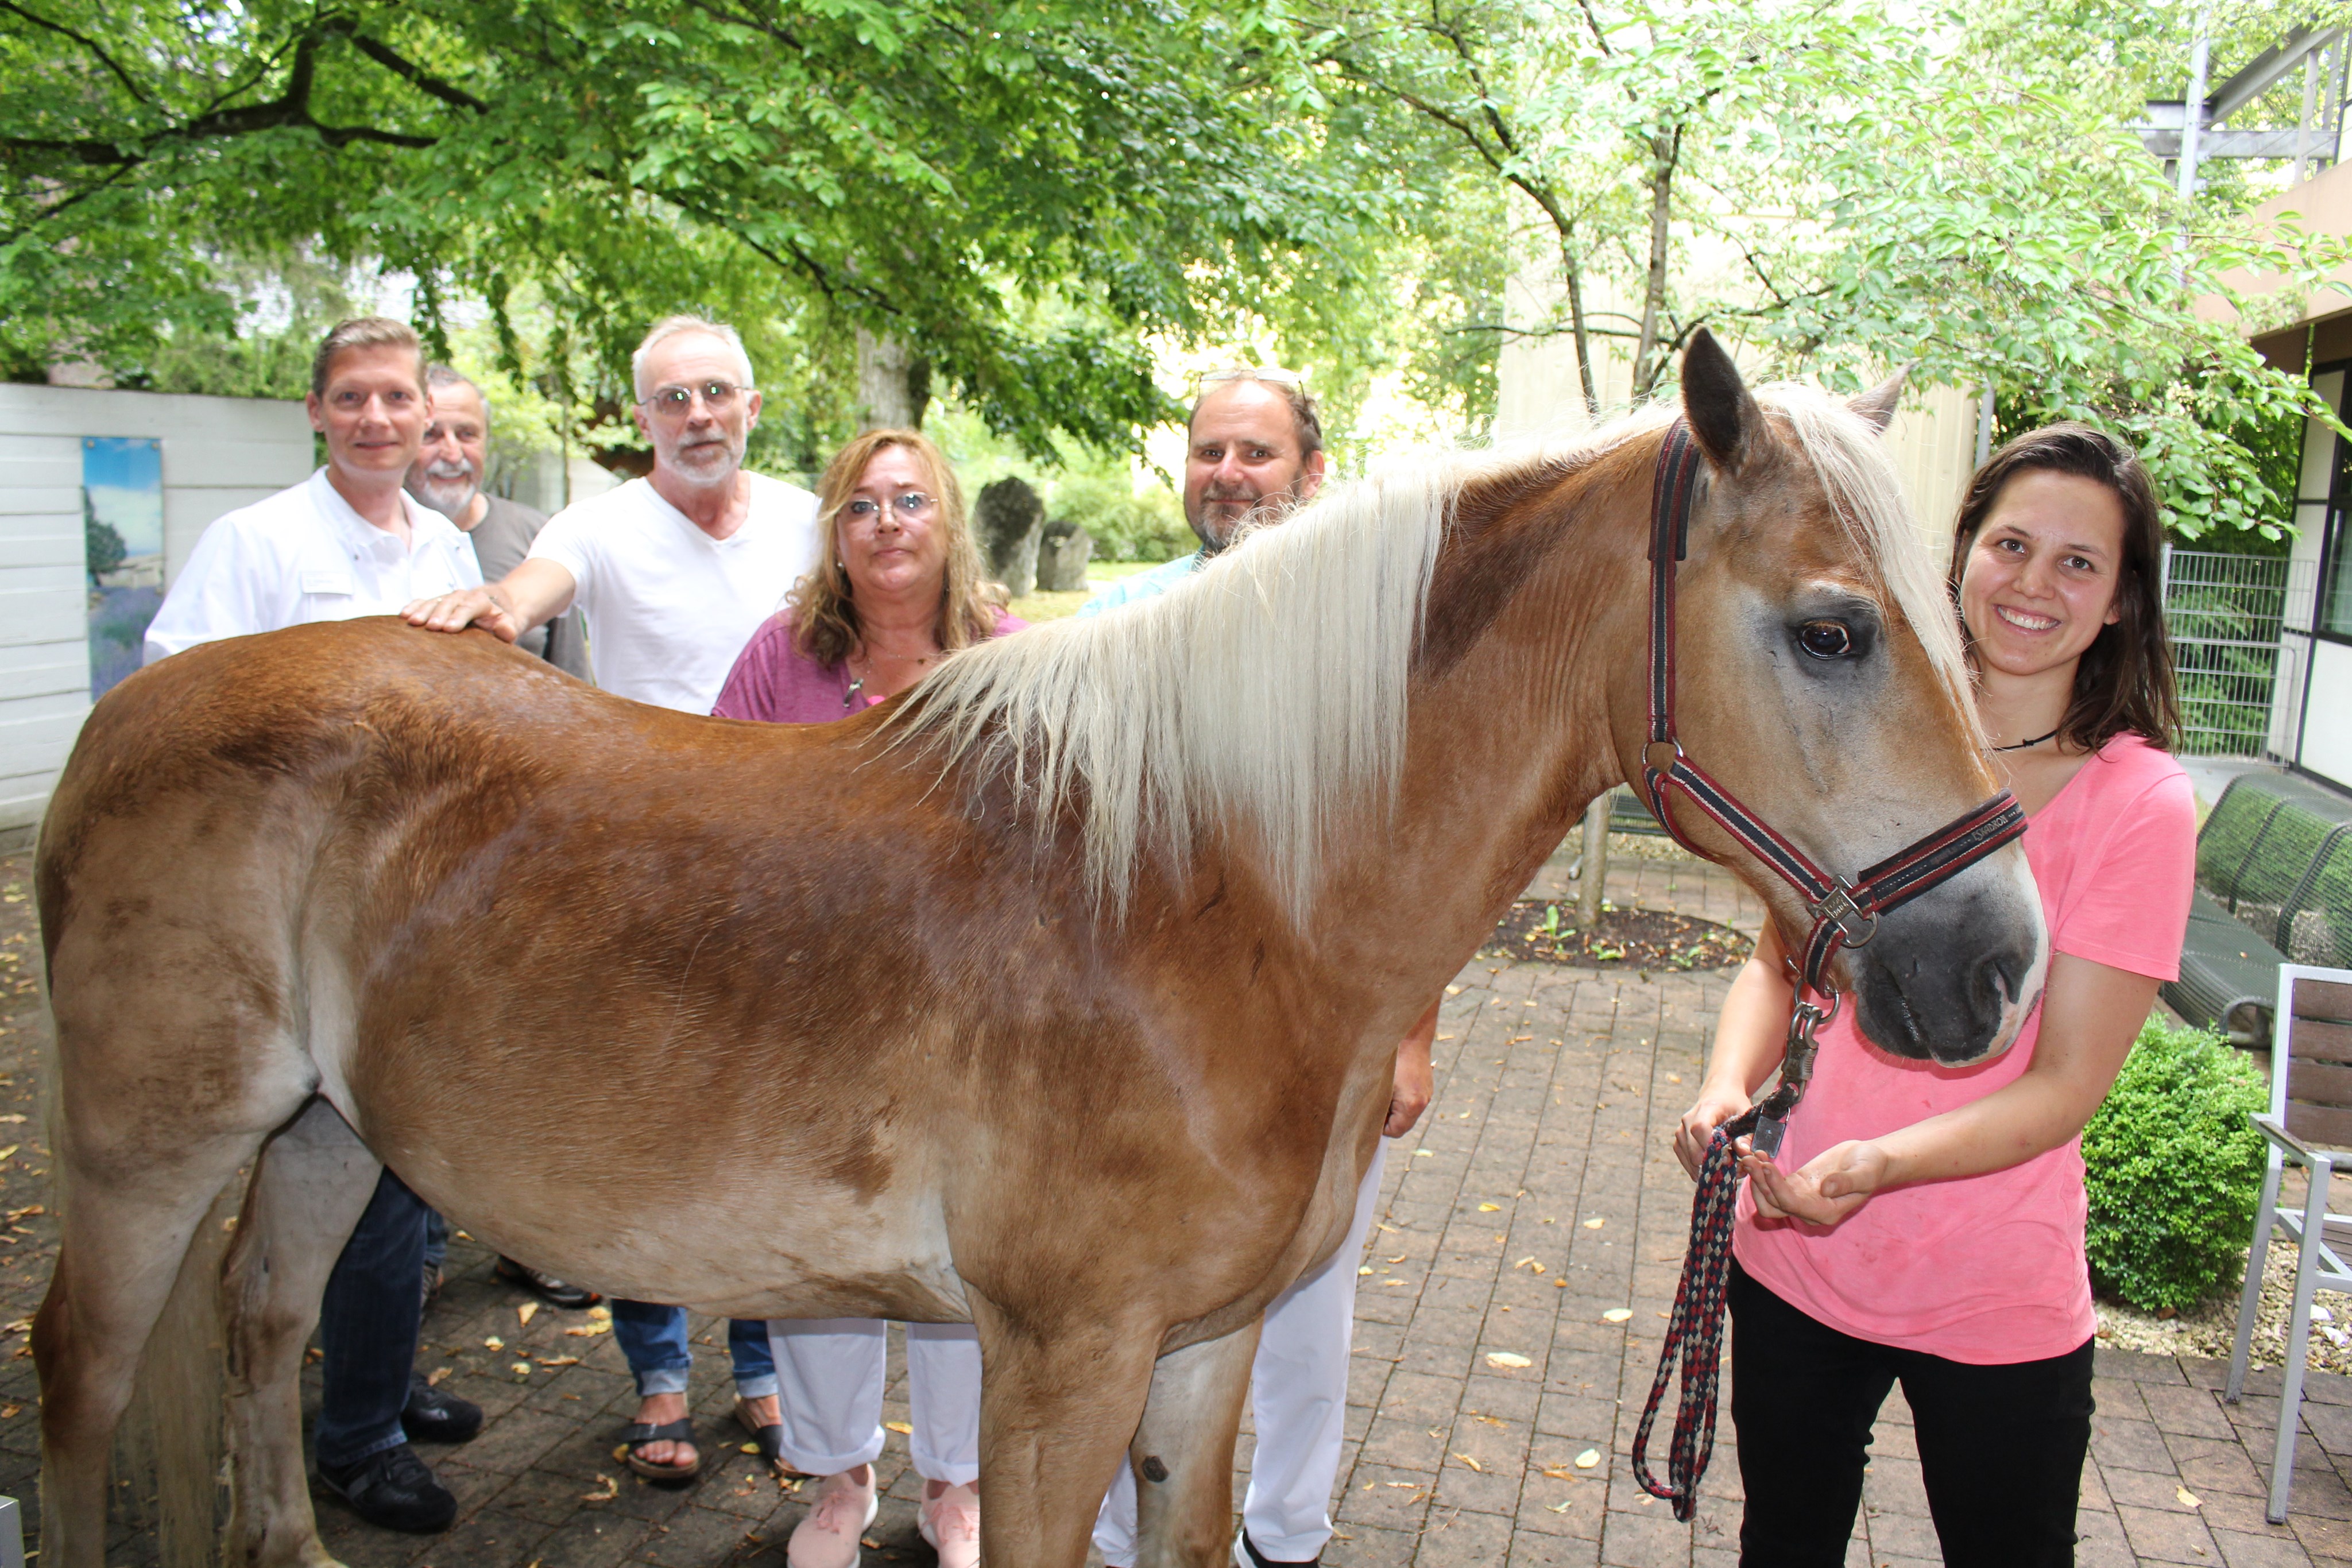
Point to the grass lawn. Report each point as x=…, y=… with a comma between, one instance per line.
x=1099, y=573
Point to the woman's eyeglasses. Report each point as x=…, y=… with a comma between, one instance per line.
x=913, y=505
x=717, y=396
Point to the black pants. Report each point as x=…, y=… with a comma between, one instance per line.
x=2001, y=1447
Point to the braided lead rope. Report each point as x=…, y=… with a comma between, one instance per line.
x=1694, y=1328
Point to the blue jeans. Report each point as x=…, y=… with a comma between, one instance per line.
x=653, y=1339
x=436, y=1238
x=368, y=1323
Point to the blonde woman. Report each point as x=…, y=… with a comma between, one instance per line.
x=899, y=587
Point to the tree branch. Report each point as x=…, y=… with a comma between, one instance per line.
x=89, y=43
x=414, y=74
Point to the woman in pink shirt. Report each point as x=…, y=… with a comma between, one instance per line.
x=1925, y=1223
x=900, y=587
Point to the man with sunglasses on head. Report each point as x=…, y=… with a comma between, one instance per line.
x=1255, y=454
x=675, y=572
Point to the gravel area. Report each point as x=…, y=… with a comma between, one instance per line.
x=2209, y=1330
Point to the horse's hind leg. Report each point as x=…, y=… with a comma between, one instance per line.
x=126, y=1225
x=1182, y=1456
x=312, y=1185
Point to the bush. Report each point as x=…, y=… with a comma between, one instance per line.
x=2174, y=1170
x=1127, y=524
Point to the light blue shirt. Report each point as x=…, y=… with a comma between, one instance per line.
x=1143, y=584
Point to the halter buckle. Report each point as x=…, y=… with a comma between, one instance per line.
x=1857, y=925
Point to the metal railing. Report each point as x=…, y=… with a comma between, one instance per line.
x=2225, y=614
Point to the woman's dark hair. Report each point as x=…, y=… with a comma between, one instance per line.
x=2125, y=679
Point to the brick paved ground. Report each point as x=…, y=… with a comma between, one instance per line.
x=1543, y=1150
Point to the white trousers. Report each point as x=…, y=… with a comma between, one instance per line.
x=1298, y=1398
x=829, y=1378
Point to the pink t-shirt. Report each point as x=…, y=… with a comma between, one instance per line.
x=774, y=684
x=1989, y=1269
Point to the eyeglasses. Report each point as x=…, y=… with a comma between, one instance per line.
x=1274, y=373
x=913, y=504
x=717, y=396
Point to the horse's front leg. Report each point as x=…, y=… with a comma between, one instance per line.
x=1182, y=1454
x=1058, y=1405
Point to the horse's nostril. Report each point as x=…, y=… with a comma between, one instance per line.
x=1999, y=978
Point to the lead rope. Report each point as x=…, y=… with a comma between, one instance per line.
x=1694, y=1328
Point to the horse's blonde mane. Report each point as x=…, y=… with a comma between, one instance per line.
x=1268, y=690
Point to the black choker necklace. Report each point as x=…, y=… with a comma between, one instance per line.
x=2028, y=745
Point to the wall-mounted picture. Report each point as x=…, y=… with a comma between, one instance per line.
x=122, y=534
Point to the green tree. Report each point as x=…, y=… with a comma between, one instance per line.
x=1013, y=193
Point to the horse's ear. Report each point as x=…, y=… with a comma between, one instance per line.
x=1877, y=404
x=1722, y=414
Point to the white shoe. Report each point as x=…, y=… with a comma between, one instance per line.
x=949, y=1521
x=827, y=1538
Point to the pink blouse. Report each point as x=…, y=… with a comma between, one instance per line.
x=1989, y=1269
x=774, y=684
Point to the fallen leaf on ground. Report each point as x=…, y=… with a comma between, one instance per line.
x=433, y=1378
x=1559, y=1472
x=1445, y=1037
x=1595, y=1223
x=1508, y=1358
x=9, y=1412
x=600, y=1314
x=1489, y=1207
x=589, y=1331
x=1561, y=1506
x=1617, y=1314
x=1424, y=1153
x=527, y=1312
x=611, y=1489
x=2187, y=1497
x=749, y=1449
x=1529, y=1262
x=1491, y=1421
x=1453, y=990
x=868, y=1542
x=1587, y=1460
x=522, y=1369
x=900, y=1428
x=1472, y=1463
x=559, y=1361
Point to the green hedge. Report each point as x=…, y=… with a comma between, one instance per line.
x=2174, y=1170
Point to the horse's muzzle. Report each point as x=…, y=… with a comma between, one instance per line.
x=1951, y=977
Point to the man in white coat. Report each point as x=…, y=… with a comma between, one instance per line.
x=1253, y=455
x=346, y=542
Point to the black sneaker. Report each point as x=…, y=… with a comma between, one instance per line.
x=433, y=1416
x=555, y=1293
x=393, y=1490
x=1247, y=1555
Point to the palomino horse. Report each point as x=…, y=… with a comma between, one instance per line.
x=1061, y=998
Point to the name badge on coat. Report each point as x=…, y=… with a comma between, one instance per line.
x=326, y=582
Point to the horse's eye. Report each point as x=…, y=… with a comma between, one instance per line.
x=1825, y=639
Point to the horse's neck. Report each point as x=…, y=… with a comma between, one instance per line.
x=1534, y=658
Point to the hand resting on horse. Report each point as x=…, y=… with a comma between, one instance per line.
x=2090, y=1015
x=1415, y=1079
x=530, y=595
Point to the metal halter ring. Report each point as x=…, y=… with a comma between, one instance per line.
x=1855, y=925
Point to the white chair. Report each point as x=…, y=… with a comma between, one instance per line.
x=2310, y=1123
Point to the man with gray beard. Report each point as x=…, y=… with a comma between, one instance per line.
x=447, y=478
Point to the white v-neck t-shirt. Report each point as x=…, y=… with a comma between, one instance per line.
x=669, y=607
